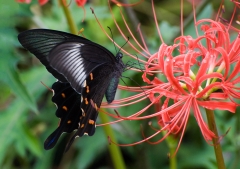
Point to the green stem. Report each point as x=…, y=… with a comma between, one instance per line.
x=172, y=144
x=114, y=150
x=71, y=24
x=216, y=144
x=173, y=159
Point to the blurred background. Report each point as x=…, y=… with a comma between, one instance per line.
x=27, y=115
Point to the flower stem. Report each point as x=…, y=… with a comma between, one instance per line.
x=114, y=150
x=172, y=144
x=70, y=21
x=216, y=144
x=173, y=159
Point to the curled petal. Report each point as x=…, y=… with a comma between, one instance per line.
x=207, y=133
x=202, y=69
x=234, y=72
x=208, y=88
x=222, y=96
x=127, y=5
x=24, y=1
x=212, y=105
x=81, y=2
x=225, y=58
x=209, y=76
x=169, y=74
x=42, y=2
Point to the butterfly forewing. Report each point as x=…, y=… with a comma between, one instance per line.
x=76, y=60
x=41, y=41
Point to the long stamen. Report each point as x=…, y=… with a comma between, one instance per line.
x=142, y=38
x=182, y=17
x=194, y=17
x=123, y=35
x=127, y=5
x=219, y=11
x=139, y=142
x=234, y=11
x=133, y=36
x=156, y=22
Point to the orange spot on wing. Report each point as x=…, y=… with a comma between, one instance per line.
x=64, y=108
x=86, y=101
x=91, y=76
x=91, y=121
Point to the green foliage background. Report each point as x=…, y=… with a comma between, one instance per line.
x=27, y=115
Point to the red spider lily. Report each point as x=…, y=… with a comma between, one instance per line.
x=190, y=89
x=41, y=2
x=198, y=76
x=80, y=3
x=24, y=1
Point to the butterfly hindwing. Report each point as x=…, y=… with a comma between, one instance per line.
x=68, y=104
x=93, y=93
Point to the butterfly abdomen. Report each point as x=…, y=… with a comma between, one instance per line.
x=113, y=84
x=111, y=90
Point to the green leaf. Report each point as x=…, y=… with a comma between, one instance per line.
x=31, y=141
x=15, y=132
x=9, y=118
x=7, y=12
x=10, y=76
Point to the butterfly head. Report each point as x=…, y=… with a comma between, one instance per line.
x=119, y=56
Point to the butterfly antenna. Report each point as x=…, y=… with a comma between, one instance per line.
x=123, y=44
x=113, y=39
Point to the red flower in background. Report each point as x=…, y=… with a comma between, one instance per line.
x=41, y=2
x=197, y=72
x=24, y=1
x=80, y=3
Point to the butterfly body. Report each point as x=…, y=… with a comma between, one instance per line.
x=85, y=72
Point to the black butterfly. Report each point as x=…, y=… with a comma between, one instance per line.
x=85, y=72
